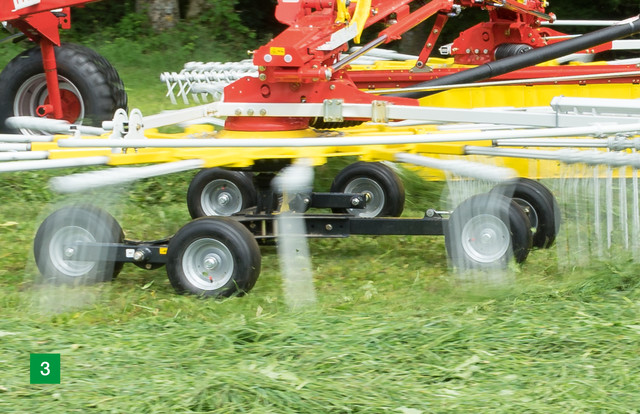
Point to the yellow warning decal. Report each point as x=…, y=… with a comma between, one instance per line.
x=277, y=51
x=162, y=250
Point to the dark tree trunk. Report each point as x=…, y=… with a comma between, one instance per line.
x=163, y=14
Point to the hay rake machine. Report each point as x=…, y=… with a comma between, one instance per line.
x=296, y=107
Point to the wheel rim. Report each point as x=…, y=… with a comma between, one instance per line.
x=529, y=211
x=374, y=193
x=207, y=264
x=485, y=238
x=71, y=104
x=33, y=93
x=221, y=198
x=59, y=251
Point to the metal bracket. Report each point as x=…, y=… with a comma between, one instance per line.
x=333, y=110
x=118, y=126
x=136, y=125
x=379, y=112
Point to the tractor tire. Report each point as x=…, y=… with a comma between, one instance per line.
x=91, y=89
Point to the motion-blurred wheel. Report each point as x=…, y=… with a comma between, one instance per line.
x=59, y=236
x=486, y=231
x=540, y=206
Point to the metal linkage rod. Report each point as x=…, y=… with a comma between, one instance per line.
x=24, y=155
x=25, y=138
x=360, y=52
x=385, y=54
x=14, y=147
x=611, y=143
x=598, y=130
x=568, y=156
x=85, y=181
x=49, y=164
x=565, y=22
x=55, y=126
x=462, y=168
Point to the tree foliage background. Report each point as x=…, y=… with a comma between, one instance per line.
x=238, y=25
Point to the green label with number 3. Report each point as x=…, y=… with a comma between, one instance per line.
x=44, y=368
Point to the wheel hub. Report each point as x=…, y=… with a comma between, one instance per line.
x=221, y=198
x=207, y=263
x=59, y=256
x=485, y=238
x=224, y=198
x=211, y=261
x=373, y=194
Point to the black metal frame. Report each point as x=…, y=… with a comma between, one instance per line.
x=264, y=226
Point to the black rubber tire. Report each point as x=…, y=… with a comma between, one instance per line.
x=500, y=225
x=381, y=179
x=211, y=183
x=70, y=225
x=222, y=239
x=80, y=70
x=539, y=204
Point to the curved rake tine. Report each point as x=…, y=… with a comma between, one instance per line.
x=293, y=248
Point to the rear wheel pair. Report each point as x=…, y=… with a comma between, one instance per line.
x=220, y=192
x=487, y=230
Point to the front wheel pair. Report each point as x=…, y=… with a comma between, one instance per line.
x=215, y=257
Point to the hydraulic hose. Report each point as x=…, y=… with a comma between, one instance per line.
x=530, y=58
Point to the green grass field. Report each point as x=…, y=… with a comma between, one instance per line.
x=393, y=330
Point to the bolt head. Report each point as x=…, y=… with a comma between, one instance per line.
x=224, y=199
x=211, y=262
x=138, y=255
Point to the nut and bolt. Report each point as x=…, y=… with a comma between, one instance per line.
x=211, y=262
x=224, y=199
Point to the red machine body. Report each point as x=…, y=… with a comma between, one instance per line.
x=303, y=64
